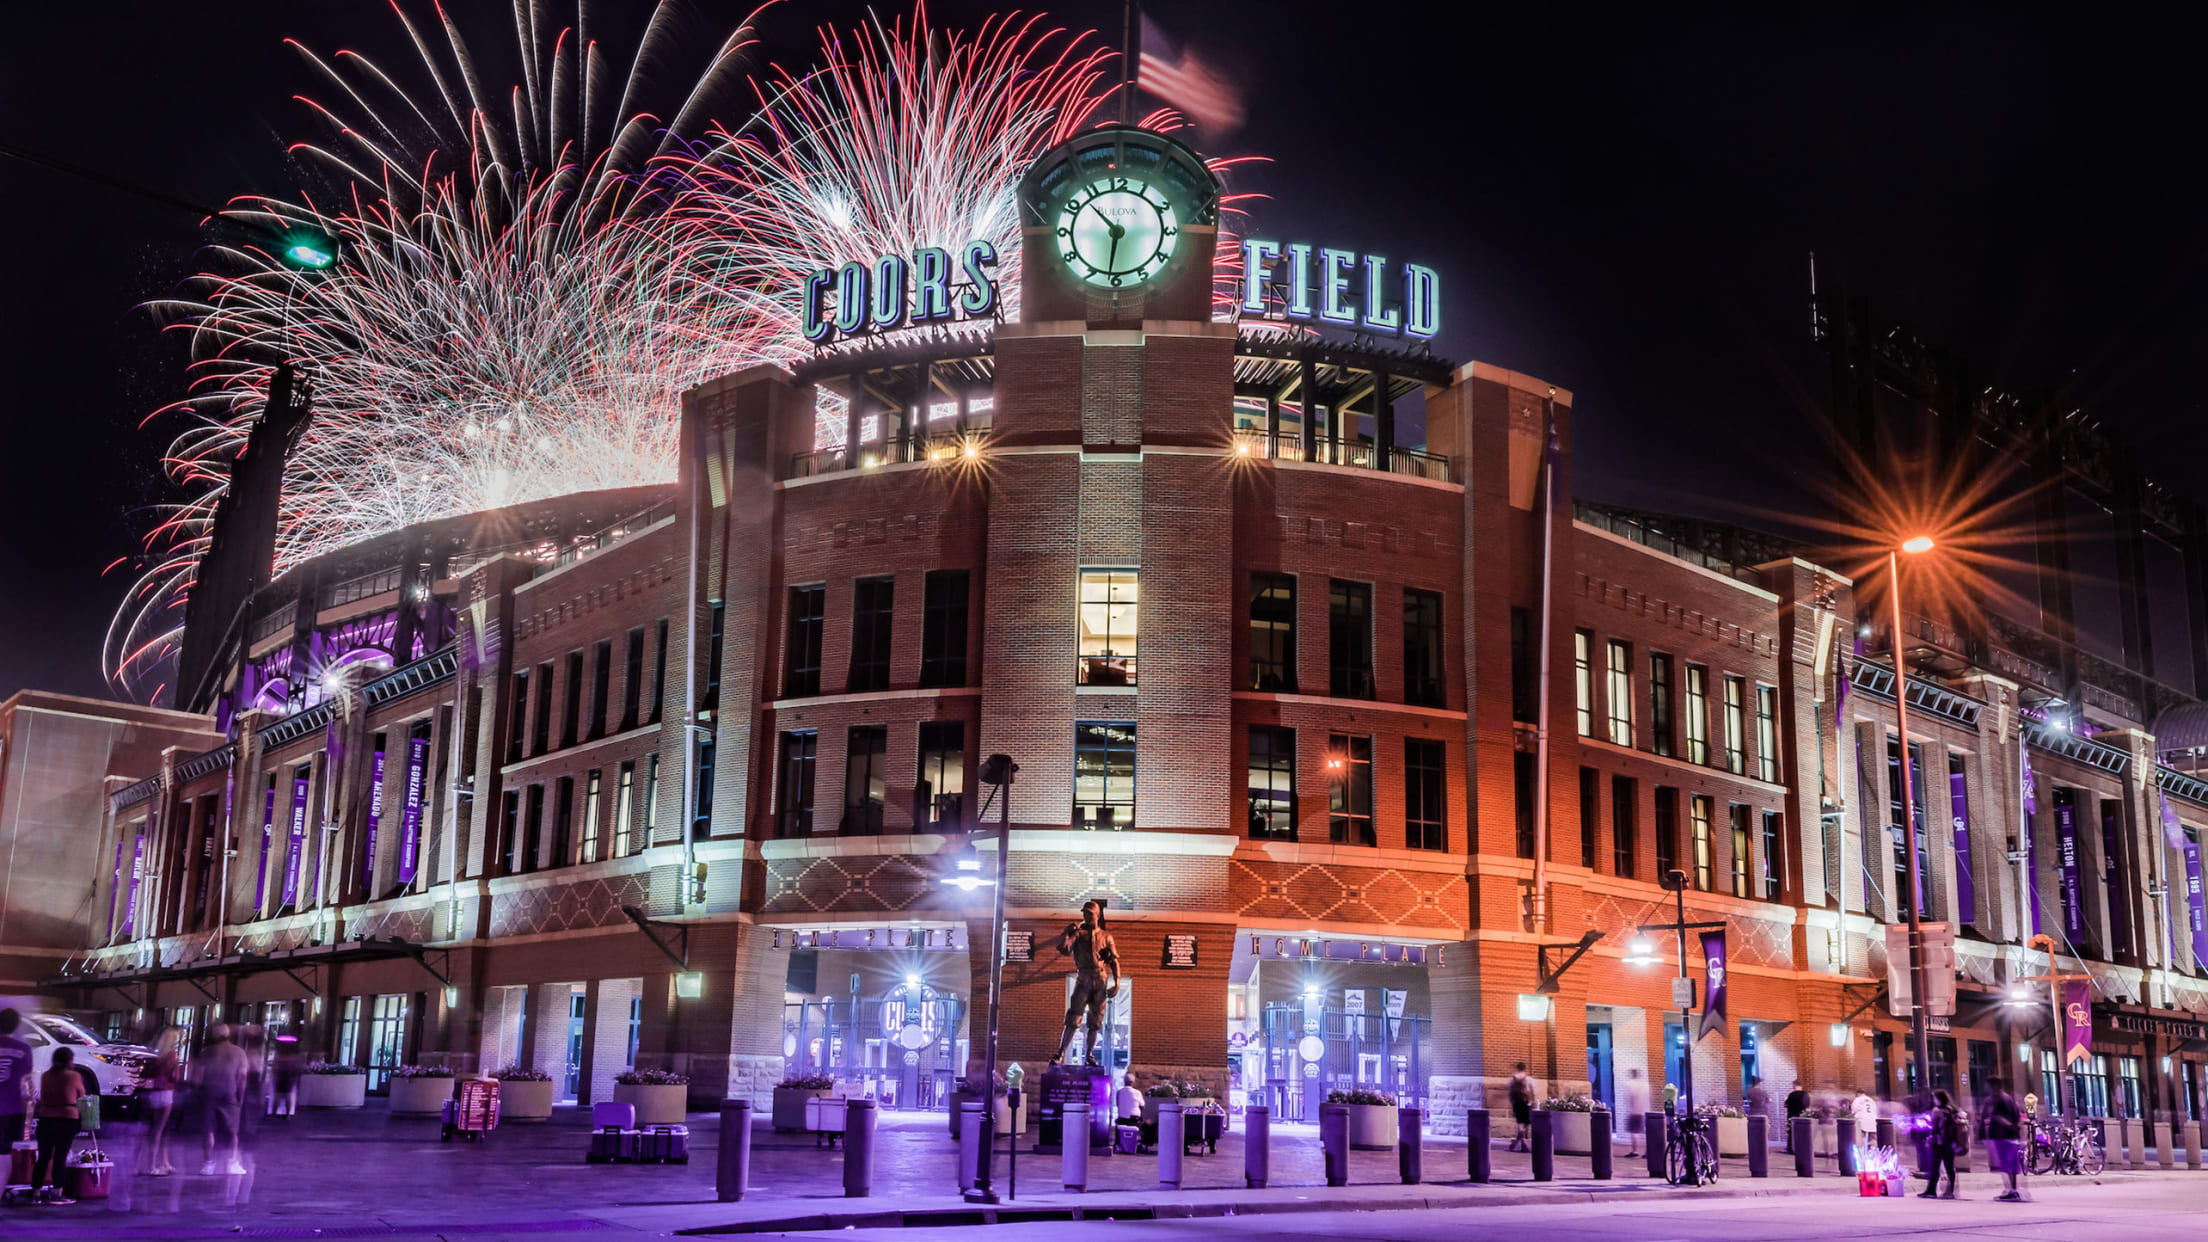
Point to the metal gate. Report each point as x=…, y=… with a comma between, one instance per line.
x=1309, y=1052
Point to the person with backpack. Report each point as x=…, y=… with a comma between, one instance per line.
x=2004, y=1126
x=1521, y=1108
x=1947, y=1137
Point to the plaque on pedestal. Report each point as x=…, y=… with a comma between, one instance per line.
x=1074, y=1084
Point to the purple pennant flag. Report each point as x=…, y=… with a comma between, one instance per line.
x=1713, y=995
x=410, y=823
x=2173, y=832
x=297, y=843
x=375, y=818
x=1966, y=896
x=2077, y=1020
x=2066, y=855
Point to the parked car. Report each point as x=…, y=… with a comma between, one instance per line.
x=117, y=1067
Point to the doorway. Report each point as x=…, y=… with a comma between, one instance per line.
x=386, y=1040
x=1599, y=1066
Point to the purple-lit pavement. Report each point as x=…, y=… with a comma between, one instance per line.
x=365, y=1174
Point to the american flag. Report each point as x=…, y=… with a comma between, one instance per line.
x=1180, y=79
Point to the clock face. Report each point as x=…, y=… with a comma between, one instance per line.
x=1116, y=231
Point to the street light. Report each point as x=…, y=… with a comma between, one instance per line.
x=1642, y=951
x=996, y=772
x=1919, y=1046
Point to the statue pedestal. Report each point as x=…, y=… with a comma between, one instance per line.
x=1074, y=1084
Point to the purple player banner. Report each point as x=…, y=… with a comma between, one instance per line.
x=1713, y=993
x=2195, y=914
x=137, y=875
x=296, y=846
x=115, y=887
x=375, y=818
x=2030, y=791
x=2066, y=856
x=1958, y=800
x=410, y=823
x=2077, y=1021
x=268, y=837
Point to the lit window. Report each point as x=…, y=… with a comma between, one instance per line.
x=1349, y=789
x=1659, y=702
x=1739, y=815
x=940, y=792
x=1619, y=696
x=1698, y=714
x=1103, y=774
x=1583, y=680
x=1109, y=620
x=1767, y=733
x=1273, y=632
x=1272, y=773
x=1700, y=810
x=1736, y=757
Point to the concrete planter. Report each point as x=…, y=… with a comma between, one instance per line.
x=656, y=1105
x=333, y=1090
x=524, y=1100
x=1573, y=1131
x=1732, y=1136
x=420, y=1097
x=1371, y=1126
x=789, y=1106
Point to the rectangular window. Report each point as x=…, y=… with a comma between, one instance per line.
x=1521, y=665
x=659, y=671
x=1767, y=732
x=651, y=800
x=1736, y=755
x=1272, y=783
x=1349, y=639
x=624, y=809
x=1349, y=789
x=533, y=830
x=348, y=1031
x=943, y=628
x=601, y=684
x=1659, y=703
x=701, y=800
x=1774, y=875
x=591, y=822
x=1583, y=681
x=563, y=823
x=1524, y=793
x=1422, y=664
x=1273, y=633
x=571, y=711
x=873, y=608
x=940, y=793
x=1698, y=714
x=632, y=680
x=716, y=618
x=1618, y=693
x=1109, y=616
x=1104, y=774
x=1590, y=816
x=1701, y=807
x=801, y=651
x=1739, y=815
x=509, y=834
x=1896, y=831
x=794, y=784
x=1425, y=806
x=865, y=780
x=1625, y=843
x=541, y=727
x=517, y=718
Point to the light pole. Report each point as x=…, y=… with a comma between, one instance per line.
x=996, y=771
x=1919, y=1047
x=1642, y=953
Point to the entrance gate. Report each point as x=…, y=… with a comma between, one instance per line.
x=1309, y=1051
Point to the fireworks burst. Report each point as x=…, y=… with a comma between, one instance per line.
x=529, y=283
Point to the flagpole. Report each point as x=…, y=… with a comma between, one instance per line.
x=1126, y=60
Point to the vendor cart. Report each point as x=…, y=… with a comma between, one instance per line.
x=472, y=1112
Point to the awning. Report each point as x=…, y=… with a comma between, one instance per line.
x=305, y=957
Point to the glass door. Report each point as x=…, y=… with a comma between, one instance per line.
x=576, y=1004
x=386, y=1039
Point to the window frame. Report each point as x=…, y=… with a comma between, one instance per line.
x=1736, y=815
x=806, y=610
x=945, y=616
x=1426, y=793
x=1425, y=683
x=1090, y=737
x=1278, y=791
x=1349, y=639
x=1263, y=602
x=1618, y=691
x=1349, y=773
x=1697, y=705
x=865, y=806
x=1767, y=732
x=1590, y=816
x=873, y=627
x=941, y=741
x=796, y=782
x=1774, y=855
x=1701, y=812
x=1108, y=666
x=1583, y=681
x=1625, y=834
x=1735, y=689
x=1662, y=731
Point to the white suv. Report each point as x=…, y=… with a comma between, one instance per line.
x=117, y=1067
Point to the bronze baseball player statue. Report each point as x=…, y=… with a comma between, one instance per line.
x=1096, y=977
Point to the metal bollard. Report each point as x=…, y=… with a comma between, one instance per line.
x=1257, y=1146
x=1658, y=1135
x=1172, y=1143
x=969, y=1143
x=1479, y=1151
x=1544, y=1145
x=858, y=1149
x=1598, y=1145
x=1802, y=1132
x=1073, y=1150
x=1410, y=1145
x=1334, y=1142
x=1759, y=1146
x=1844, y=1129
x=732, y=1170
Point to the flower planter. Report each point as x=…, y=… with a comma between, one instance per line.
x=1372, y=1127
x=1732, y=1136
x=522, y=1099
x=420, y=1097
x=1189, y=1104
x=333, y=1090
x=789, y=1106
x=1571, y=1130
x=656, y=1105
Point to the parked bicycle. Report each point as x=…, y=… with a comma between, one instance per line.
x=2066, y=1147
x=1690, y=1151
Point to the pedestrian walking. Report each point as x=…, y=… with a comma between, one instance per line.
x=16, y=1086
x=1797, y=1105
x=161, y=1087
x=284, y=1101
x=1944, y=1138
x=59, y=1090
x=1521, y=1108
x=2004, y=1127
x=1636, y=1109
x=220, y=1074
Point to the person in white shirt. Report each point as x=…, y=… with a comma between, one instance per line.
x=1128, y=1103
x=1865, y=1111
x=1633, y=1102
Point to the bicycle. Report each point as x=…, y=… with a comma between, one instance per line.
x=1690, y=1152
x=2067, y=1148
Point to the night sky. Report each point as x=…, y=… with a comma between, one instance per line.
x=1622, y=202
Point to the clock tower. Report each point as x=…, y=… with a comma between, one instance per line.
x=1118, y=226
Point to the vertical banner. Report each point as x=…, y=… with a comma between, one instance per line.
x=1713, y=997
x=296, y=843
x=2196, y=915
x=1397, y=1000
x=268, y=837
x=2077, y=1020
x=410, y=822
x=2031, y=827
x=2112, y=874
x=137, y=875
x=206, y=875
x=375, y=819
x=2066, y=855
x=1958, y=801
x=115, y=887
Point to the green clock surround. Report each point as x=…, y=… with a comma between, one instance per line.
x=1115, y=206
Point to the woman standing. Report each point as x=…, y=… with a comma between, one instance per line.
x=59, y=1089
x=161, y=1102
